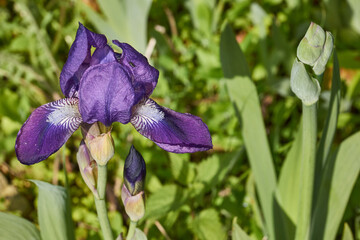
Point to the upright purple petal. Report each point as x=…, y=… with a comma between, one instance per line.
x=46, y=130
x=106, y=94
x=170, y=130
x=103, y=55
x=144, y=76
x=79, y=59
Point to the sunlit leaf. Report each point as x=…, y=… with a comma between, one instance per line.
x=16, y=228
x=139, y=235
x=237, y=233
x=340, y=173
x=244, y=96
x=53, y=212
x=233, y=62
x=124, y=20
x=167, y=198
x=207, y=225
x=347, y=234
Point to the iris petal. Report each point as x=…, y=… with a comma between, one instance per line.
x=79, y=59
x=46, y=130
x=170, y=130
x=144, y=76
x=106, y=94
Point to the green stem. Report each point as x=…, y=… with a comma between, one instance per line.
x=131, y=231
x=101, y=204
x=307, y=171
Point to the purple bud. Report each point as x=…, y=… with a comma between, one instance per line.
x=134, y=172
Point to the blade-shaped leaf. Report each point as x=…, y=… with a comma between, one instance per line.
x=124, y=20
x=16, y=228
x=288, y=193
x=237, y=233
x=340, y=173
x=54, y=212
x=289, y=182
x=347, y=234
x=329, y=127
x=243, y=94
x=139, y=235
x=332, y=117
x=233, y=62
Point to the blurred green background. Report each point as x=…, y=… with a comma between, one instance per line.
x=189, y=196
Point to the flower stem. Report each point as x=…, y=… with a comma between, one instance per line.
x=131, y=231
x=307, y=171
x=101, y=204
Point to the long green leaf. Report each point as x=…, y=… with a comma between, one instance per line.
x=124, y=20
x=329, y=127
x=332, y=116
x=233, y=62
x=340, y=173
x=243, y=94
x=347, y=234
x=16, y=228
x=237, y=233
x=288, y=192
x=53, y=212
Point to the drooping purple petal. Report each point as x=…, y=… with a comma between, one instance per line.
x=144, y=76
x=170, y=130
x=106, y=94
x=79, y=59
x=46, y=130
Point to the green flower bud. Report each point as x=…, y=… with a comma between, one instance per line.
x=311, y=46
x=315, y=48
x=319, y=66
x=134, y=205
x=304, y=87
x=101, y=147
x=87, y=167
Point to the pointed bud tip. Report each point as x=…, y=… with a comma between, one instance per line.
x=134, y=171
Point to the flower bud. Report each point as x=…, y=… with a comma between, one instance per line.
x=134, y=205
x=132, y=192
x=87, y=167
x=315, y=48
x=134, y=172
x=319, y=66
x=99, y=142
x=310, y=47
x=304, y=87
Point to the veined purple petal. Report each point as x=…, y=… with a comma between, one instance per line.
x=144, y=76
x=106, y=94
x=79, y=59
x=170, y=130
x=46, y=130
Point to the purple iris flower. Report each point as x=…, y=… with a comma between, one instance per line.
x=108, y=87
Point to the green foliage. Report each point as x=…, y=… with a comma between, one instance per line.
x=54, y=212
x=237, y=80
x=16, y=228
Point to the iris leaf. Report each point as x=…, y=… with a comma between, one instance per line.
x=53, y=212
x=244, y=96
x=16, y=228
